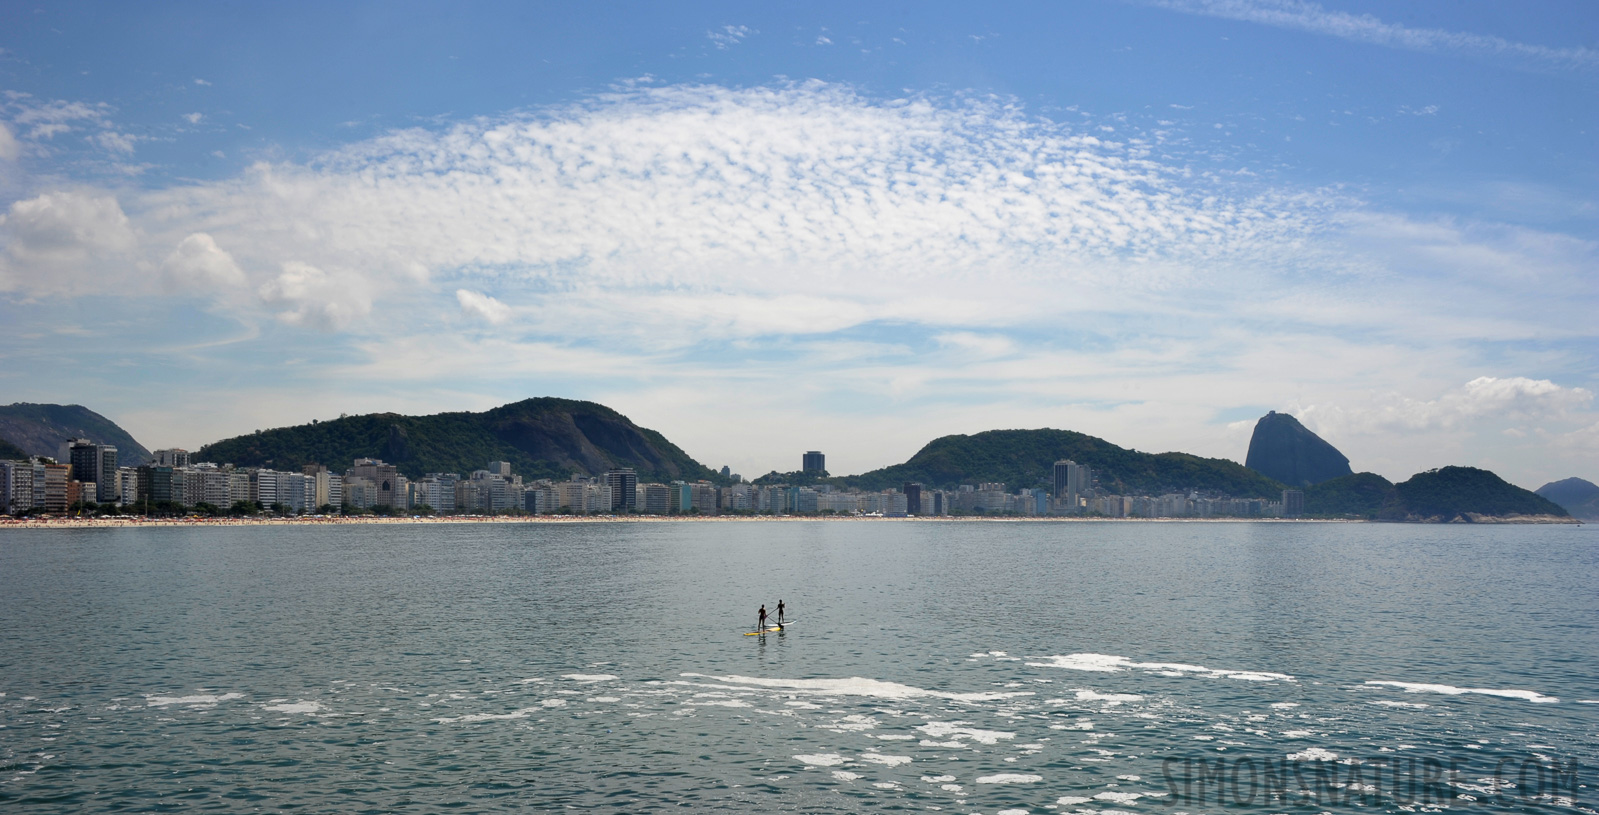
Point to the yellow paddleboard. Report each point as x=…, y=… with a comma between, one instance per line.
x=768, y=628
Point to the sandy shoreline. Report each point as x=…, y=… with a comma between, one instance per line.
x=108, y=523
x=98, y=523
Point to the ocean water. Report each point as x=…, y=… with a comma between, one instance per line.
x=956, y=667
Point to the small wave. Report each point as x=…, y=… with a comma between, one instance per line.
x=1313, y=754
x=197, y=699
x=890, y=761
x=1107, y=663
x=1009, y=778
x=295, y=707
x=1451, y=690
x=821, y=759
x=588, y=678
x=858, y=686
x=956, y=732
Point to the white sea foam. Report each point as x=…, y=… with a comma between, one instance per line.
x=858, y=686
x=588, y=678
x=1284, y=705
x=1106, y=663
x=1009, y=778
x=845, y=775
x=1118, y=797
x=821, y=759
x=196, y=699
x=491, y=717
x=722, y=703
x=1084, y=695
x=294, y=707
x=1296, y=734
x=938, y=779
x=1451, y=690
x=554, y=703
x=604, y=699
x=889, y=761
x=956, y=732
x=1072, y=800
x=895, y=737
x=1313, y=754
x=1391, y=703
x=855, y=722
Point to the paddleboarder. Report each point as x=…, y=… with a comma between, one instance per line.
x=779, y=613
x=762, y=626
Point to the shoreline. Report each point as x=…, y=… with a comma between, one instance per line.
x=136, y=522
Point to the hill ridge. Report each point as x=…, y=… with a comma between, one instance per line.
x=541, y=437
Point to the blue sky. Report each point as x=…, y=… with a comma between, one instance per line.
x=853, y=228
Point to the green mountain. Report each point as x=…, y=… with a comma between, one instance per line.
x=1450, y=492
x=541, y=438
x=39, y=430
x=1445, y=494
x=1026, y=458
x=1580, y=497
x=1359, y=495
x=11, y=452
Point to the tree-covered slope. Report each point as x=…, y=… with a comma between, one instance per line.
x=11, y=452
x=541, y=438
x=1359, y=495
x=1026, y=458
x=1450, y=492
x=39, y=430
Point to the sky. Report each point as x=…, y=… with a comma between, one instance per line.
x=763, y=229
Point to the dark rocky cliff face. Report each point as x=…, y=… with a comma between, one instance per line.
x=1284, y=449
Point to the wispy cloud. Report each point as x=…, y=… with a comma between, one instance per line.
x=1301, y=15
x=808, y=251
x=729, y=35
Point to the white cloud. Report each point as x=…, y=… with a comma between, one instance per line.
x=729, y=35
x=308, y=296
x=822, y=39
x=766, y=190
x=114, y=142
x=202, y=82
x=193, y=118
x=9, y=147
x=199, y=264
x=46, y=120
x=65, y=242
x=482, y=307
x=1312, y=17
x=1505, y=401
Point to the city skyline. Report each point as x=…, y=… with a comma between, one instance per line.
x=1147, y=222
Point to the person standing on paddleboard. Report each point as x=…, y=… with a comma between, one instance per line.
x=779, y=613
x=762, y=626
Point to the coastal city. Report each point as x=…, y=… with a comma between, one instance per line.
x=88, y=479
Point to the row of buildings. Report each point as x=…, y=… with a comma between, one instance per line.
x=92, y=474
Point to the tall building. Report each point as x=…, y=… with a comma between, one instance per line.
x=1293, y=503
x=172, y=458
x=913, y=498
x=1072, y=481
x=657, y=499
x=500, y=468
x=624, y=489
x=814, y=462
x=16, y=486
x=385, y=480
